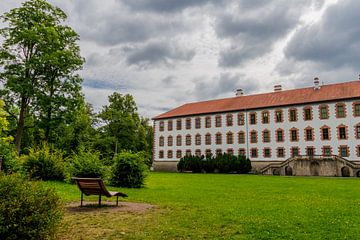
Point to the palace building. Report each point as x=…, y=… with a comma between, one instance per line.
x=307, y=131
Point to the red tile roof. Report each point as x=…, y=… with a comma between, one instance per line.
x=329, y=92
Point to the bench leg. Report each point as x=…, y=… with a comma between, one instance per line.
x=117, y=200
x=99, y=199
x=81, y=199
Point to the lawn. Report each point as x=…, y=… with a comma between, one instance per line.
x=216, y=206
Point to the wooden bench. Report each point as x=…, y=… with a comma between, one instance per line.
x=95, y=186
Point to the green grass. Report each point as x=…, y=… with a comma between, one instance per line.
x=215, y=206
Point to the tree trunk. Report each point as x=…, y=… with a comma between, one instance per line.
x=21, y=123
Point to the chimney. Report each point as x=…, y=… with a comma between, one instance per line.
x=239, y=92
x=277, y=88
x=316, y=83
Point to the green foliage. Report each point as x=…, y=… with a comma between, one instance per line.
x=129, y=170
x=28, y=210
x=122, y=128
x=40, y=58
x=45, y=163
x=87, y=164
x=222, y=163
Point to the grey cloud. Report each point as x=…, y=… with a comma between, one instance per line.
x=159, y=52
x=169, y=6
x=252, y=33
x=210, y=89
x=334, y=42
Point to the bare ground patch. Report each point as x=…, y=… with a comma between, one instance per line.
x=109, y=207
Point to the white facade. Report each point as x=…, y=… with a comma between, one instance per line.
x=350, y=121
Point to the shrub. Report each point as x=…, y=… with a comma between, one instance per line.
x=9, y=160
x=87, y=164
x=28, y=210
x=129, y=170
x=223, y=163
x=45, y=164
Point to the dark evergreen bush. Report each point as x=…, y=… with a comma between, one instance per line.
x=45, y=164
x=129, y=170
x=87, y=165
x=222, y=163
x=28, y=210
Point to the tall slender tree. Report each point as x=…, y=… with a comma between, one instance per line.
x=40, y=58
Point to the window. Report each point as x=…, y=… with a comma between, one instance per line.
x=358, y=150
x=342, y=132
x=208, y=139
x=340, y=110
x=197, y=123
x=188, y=123
x=278, y=116
x=178, y=154
x=241, y=137
x=218, y=121
x=279, y=135
x=188, y=153
x=324, y=111
x=254, y=152
x=197, y=139
x=218, y=151
x=170, y=125
x=294, y=135
x=280, y=152
x=230, y=151
x=170, y=154
x=229, y=138
x=267, y=152
x=198, y=152
x=266, y=136
x=161, y=154
x=188, y=140
x=293, y=115
x=178, y=140
x=253, y=137
x=161, y=126
x=252, y=118
x=344, y=151
x=178, y=124
x=309, y=134
x=229, y=120
x=326, y=150
x=325, y=133
x=241, y=120
x=170, y=141
x=307, y=113
x=218, y=138
x=295, y=151
x=208, y=122
x=310, y=151
x=241, y=151
x=357, y=131
x=265, y=117
x=161, y=141
x=208, y=152
x=356, y=109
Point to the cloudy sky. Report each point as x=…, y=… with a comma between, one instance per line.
x=170, y=52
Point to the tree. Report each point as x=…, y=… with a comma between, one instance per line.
x=40, y=58
x=122, y=128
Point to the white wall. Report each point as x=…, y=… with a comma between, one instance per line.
x=316, y=123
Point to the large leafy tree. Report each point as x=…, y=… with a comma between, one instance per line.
x=122, y=128
x=40, y=58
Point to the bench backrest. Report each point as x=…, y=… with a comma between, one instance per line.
x=92, y=186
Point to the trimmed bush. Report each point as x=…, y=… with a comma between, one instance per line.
x=129, y=170
x=28, y=210
x=222, y=163
x=45, y=164
x=87, y=165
